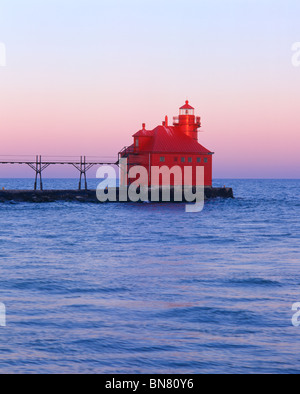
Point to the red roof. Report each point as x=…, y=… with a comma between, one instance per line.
x=170, y=140
x=187, y=106
x=144, y=133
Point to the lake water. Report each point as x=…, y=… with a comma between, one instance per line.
x=148, y=288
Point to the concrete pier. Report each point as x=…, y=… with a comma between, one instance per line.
x=87, y=196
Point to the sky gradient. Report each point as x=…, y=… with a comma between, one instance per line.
x=83, y=75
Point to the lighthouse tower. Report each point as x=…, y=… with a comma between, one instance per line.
x=187, y=122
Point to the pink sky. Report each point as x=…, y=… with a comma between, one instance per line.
x=83, y=85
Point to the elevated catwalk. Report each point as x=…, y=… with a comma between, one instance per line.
x=39, y=164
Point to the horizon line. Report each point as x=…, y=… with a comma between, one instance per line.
x=93, y=178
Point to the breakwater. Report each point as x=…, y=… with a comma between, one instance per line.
x=89, y=196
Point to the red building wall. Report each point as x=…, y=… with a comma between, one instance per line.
x=190, y=160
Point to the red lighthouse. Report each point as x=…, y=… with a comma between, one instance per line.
x=171, y=146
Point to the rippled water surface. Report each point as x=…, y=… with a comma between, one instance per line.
x=147, y=288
